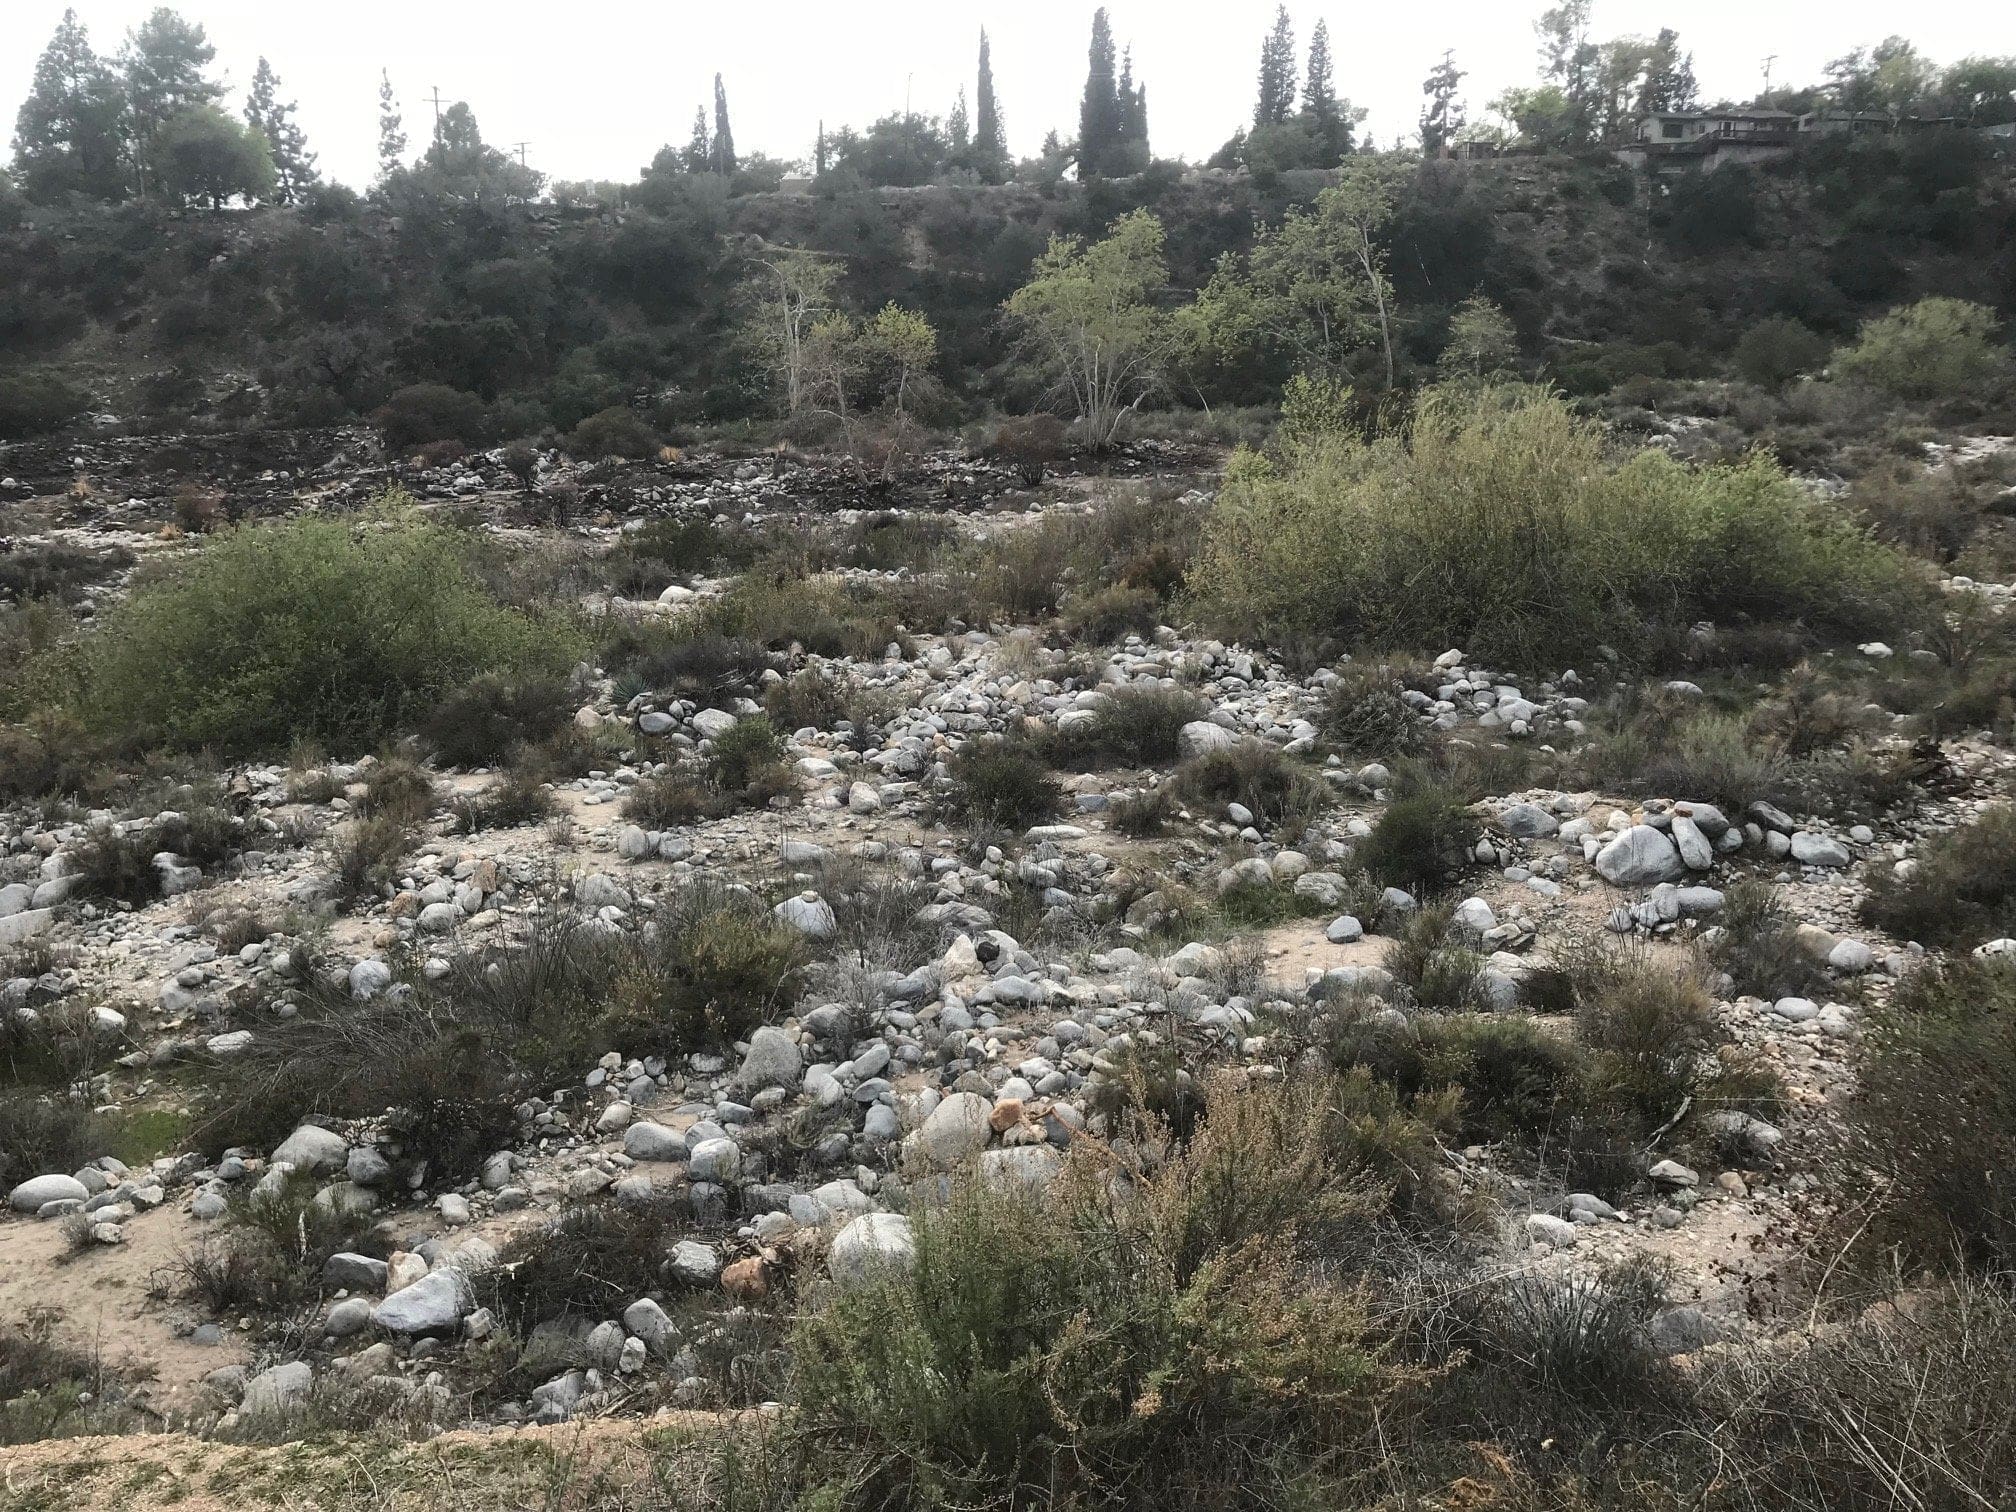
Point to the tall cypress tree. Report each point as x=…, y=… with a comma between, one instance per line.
x=1099, y=111
x=1276, y=103
x=66, y=137
x=990, y=137
x=391, y=128
x=1442, y=116
x=724, y=139
x=293, y=163
x=1131, y=153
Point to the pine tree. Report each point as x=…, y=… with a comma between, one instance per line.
x=699, y=146
x=1442, y=116
x=958, y=125
x=724, y=160
x=293, y=163
x=1669, y=76
x=819, y=152
x=1131, y=148
x=990, y=138
x=1099, y=112
x=163, y=63
x=391, y=130
x=1319, y=98
x=66, y=137
x=1277, y=73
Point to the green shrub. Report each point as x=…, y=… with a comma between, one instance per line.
x=367, y=857
x=1364, y=712
x=1133, y=726
x=646, y=560
x=34, y=402
x=518, y=797
x=57, y=571
x=1108, y=615
x=1937, y=349
x=747, y=751
x=1441, y=974
x=1757, y=943
x=424, y=412
x=1499, y=522
x=613, y=432
x=485, y=722
x=714, y=970
x=667, y=801
x=1774, y=352
x=44, y=1131
x=1932, y=512
x=1003, y=784
x=1280, y=794
x=1960, y=890
x=1421, y=841
x=1127, y=1352
x=342, y=632
x=704, y=667
x=1936, y=1109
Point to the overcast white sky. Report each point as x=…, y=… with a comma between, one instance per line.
x=595, y=86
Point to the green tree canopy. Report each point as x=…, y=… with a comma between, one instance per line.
x=67, y=134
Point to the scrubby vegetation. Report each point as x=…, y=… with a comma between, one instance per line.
x=345, y=632
x=1499, y=521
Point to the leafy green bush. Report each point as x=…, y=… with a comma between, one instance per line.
x=1960, y=889
x=824, y=700
x=1935, y=513
x=424, y=412
x=1499, y=522
x=1937, y=349
x=1001, y=783
x=613, y=432
x=343, y=632
x=34, y=402
x=745, y=751
x=1774, y=352
x=1421, y=841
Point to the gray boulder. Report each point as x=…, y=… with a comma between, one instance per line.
x=872, y=1245
x=436, y=1303
x=1640, y=857
x=33, y=1193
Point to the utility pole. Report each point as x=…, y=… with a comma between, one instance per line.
x=520, y=149
x=1768, y=61
x=436, y=98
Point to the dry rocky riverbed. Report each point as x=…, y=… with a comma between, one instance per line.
x=1024, y=975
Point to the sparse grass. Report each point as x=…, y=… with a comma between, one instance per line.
x=1958, y=892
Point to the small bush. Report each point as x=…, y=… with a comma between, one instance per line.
x=426, y=412
x=35, y=403
x=1030, y=444
x=1279, y=793
x=1002, y=784
x=822, y=700
x=748, y=751
x=518, y=797
x=485, y=722
x=1441, y=974
x=343, y=632
x=1421, y=842
x=1758, y=945
x=399, y=790
x=1134, y=726
x=43, y=1131
x=1365, y=713
x=703, y=667
x=1958, y=892
x=1107, y=615
x=1937, y=349
x=367, y=858
x=1932, y=512
x=712, y=972
x=613, y=432
x=667, y=801
x=1115, y=1353
x=1774, y=352
x=1936, y=1109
